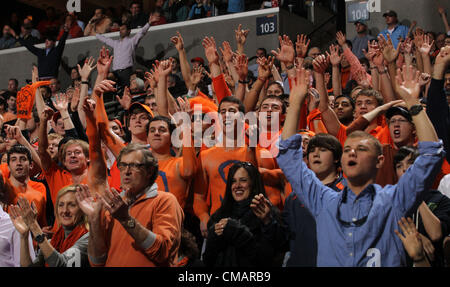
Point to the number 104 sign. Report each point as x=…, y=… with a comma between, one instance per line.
x=266, y=25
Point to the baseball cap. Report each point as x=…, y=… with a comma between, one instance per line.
x=392, y=111
x=139, y=105
x=361, y=22
x=391, y=13
x=198, y=59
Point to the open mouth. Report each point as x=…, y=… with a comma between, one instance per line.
x=396, y=133
x=351, y=163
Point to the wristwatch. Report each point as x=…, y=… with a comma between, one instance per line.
x=40, y=238
x=415, y=110
x=130, y=223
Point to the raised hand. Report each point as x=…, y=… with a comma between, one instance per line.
x=301, y=46
x=165, y=68
x=340, y=37
x=335, y=58
x=424, y=79
x=75, y=99
x=104, y=62
x=177, y=41
x=240, y=35
x=320, y=64
x=87, y=69
x=89, y=204
x=17, y=220
x=411, y=239
x=408, y=86
x=89, y=109
x=116, y=205
x=125, y=101
x=425, y=48
x=61, y=102
x=103, y=87
x=264, y=66
x=210, y=50
x=227, y=52
x=197, y=75
x=47, y=114
x=390, y=53
x=300, y=82
x=27, y=212
x=241, y=66
x=286, y=52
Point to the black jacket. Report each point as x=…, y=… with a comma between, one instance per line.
x=245, y=242
x=48, y=65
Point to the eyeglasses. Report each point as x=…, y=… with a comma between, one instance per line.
x=400, y=121
x=122, y=166
x=75, y=153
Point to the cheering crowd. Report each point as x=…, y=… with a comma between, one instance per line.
x=308, y=157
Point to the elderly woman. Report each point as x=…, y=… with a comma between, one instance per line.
x=68, y=246
x=245, y=229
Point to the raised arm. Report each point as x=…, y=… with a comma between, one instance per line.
x=46, y=159
x=241, y=68
x=61, y=103
x=241, y=37
x=335, y=60
x=441, y=11
x=425, y=53
x=185, y=67
x=329, y=117
x=84, y=72
x=164, y=69
x=251, y=99
x=15, y=132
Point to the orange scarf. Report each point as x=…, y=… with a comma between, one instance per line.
x=61, y=244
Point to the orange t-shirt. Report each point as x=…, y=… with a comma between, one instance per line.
x=172, y=177
x=161, y=214
x=34, y=192
x=212, y=172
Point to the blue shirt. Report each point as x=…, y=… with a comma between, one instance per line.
x=374, y=242
x=400, y=31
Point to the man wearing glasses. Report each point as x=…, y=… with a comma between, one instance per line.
x=139, y=227
x=356, y=226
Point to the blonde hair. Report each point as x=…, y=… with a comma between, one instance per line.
x=361, y=134
x=63, y=191
x=84, y=146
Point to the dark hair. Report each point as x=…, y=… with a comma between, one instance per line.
x=327, y=141
x=188, y=245
x=136, y=2
x=169, y=123
x=347, y=97
x=147, y=156
x=18, y=148
x=234, y=100
x=404, y=152
x=15, y=81
x=264, y=50
x=275, y=83
x=257, y=187
x=279, y=98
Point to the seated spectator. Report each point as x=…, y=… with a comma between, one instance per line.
x=72, y=26
x=68, y=246
x=175, y=11
x=157, y=17
x=28, y=23
x=50, y=22
x=235, y=6
x=199, y=10
x=138, y=18
x=7, y=40
x=99, y=23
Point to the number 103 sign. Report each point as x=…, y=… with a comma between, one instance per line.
x=266, y=25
